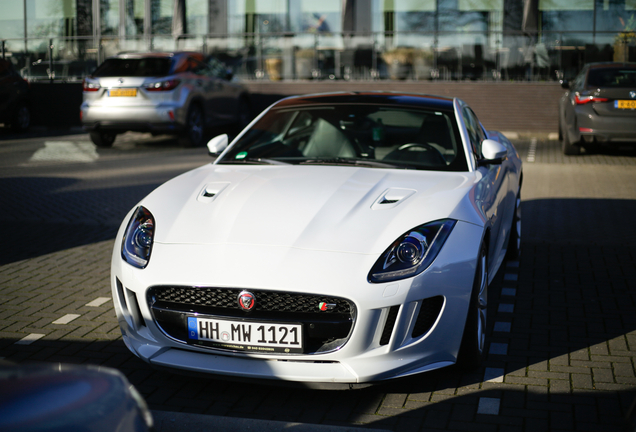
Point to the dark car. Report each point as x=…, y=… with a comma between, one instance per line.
x=14, y=98
x=178, y=93
x=599, y=107
x=62, y=397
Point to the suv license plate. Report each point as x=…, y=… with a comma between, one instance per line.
x=122, y=92
x=250, y=336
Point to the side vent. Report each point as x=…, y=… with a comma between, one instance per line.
x=391, y=198
x=134, y=310
x=429, y=311
x=389, y=325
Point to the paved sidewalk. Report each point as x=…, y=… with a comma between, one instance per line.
x=562, y=319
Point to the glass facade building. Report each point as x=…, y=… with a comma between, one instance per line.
x=479, y=40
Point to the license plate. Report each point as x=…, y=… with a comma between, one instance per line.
x=250, y=336
x=625, y=104
x=122, y=92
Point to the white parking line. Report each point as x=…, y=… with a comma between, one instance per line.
x=66, y=151
x=511, y=277
x=502, y=326
x=498, y=348
x=98, y=302
x=29, y=339
x=532, y=151
x=66, y=319
x=506, y=308
x=494, y=375
x=511, y=292
x=488, y=406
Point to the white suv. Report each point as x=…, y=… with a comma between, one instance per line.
x=178, y=93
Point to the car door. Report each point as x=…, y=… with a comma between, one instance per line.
x=220, y=105
x=492, y=188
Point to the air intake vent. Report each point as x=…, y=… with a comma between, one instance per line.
x=389, y=324
x=210, y=191
x=392, y=197
x=429, y=311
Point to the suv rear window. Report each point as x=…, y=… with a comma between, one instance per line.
x=143, y=67
x=612, y=77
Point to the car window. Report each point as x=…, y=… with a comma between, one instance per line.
x=475, y=131
x=199, y=68
x=612, y=77
x=136, y=67
x=218, y=68
x=389, y=135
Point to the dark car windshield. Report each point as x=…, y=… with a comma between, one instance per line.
x=381, y=136
x=612, y=77
x=136, y=67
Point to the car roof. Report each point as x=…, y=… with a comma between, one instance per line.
x=611, y=65
x=370, y=97
x=132, y=55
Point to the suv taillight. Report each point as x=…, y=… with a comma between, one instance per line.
x=90, y=86
x=587, y=99
x=162, y=85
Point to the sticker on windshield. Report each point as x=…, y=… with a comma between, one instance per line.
x=241, y=155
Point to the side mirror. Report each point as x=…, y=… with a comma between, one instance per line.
x=565, y=84
x=217, y=144
x=494, y=153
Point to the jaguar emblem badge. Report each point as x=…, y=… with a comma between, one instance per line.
x=246, y=300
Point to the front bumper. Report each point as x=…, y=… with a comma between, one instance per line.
x=365, y=357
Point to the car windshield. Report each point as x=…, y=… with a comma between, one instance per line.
x=136, y=67
x=612, y=77
x=361, y=135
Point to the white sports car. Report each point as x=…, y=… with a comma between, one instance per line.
x=341, y=239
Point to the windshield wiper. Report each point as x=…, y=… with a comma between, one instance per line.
x=254, y=161
x=347, y=161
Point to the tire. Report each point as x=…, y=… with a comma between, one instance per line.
x=514, y=241
x=568, y=148
x=22, y=118
x=103, y=138
x=473, y=347
x=193, y=135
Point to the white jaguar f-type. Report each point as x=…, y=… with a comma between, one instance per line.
x=340, y=239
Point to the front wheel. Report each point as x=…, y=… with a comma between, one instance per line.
x=103, y=139
x=473, y=347
x=193, y=134
x=514, y=242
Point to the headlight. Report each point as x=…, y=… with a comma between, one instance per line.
x=137, y=243
x=412, y=253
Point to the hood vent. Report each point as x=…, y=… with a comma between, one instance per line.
x=391, y=198
x=210, y=191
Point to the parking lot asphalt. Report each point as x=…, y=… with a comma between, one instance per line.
x=562, y=319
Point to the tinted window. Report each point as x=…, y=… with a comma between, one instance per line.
x=144, y=67
x=612, y=77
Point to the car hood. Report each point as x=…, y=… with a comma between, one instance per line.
x=329, y=208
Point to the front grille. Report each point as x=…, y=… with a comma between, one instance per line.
x=324, y=330
x=227, y=298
